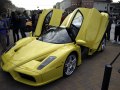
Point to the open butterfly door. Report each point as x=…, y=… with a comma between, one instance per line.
x=49, y=17
x=86, y=26
x=93, y=28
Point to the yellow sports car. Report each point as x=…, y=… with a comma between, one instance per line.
x=56, y=52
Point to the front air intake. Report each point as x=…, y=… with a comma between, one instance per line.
x=27, y=77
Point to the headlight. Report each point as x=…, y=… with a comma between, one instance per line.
x=46, y=62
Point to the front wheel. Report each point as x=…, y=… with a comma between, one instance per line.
x=70, y=64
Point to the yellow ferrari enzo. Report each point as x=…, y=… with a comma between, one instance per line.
x=56, y=51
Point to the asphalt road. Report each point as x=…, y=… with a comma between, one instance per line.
x=88, y=76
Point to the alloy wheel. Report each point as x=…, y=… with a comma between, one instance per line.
x=70, y=65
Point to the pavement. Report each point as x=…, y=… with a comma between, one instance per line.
x=88, y=76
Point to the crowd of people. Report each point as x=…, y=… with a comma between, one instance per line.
x=116, y=21
x=19, y=23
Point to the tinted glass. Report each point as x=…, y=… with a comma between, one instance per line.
x=76, y=24
x=48, y=17
x=57, y=36
x=46, y=22
x=77, y=21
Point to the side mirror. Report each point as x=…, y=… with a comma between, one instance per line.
x=81, y=42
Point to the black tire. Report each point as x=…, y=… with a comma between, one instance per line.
x=103, y=45
x=84, y=52
x=70, y=65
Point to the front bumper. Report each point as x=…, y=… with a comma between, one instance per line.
x=27, y=79
x=32, y=78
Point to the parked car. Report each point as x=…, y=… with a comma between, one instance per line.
x=56, y=52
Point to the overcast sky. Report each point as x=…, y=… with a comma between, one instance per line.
x=34, y=4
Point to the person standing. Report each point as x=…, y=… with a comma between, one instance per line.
x=117, y=31
x=4, y=37
x=33, y=21
x=109, y=29
x=15, y=26
x=22, y=24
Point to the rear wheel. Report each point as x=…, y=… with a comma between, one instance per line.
x=84, y=52
x=103, y=45
x=70, y=64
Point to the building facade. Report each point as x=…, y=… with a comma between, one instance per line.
x=64, y=4
x=108, y=1
x=57, y=5
x=114, y=9
x=74, y=4
x=87, y=3
x=101, y=6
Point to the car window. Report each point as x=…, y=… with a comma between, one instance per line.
x=47, y=21
x=77, y=21
x=48, y=17
x=76, y=24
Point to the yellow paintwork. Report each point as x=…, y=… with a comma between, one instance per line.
x=28, y=53
x=27, y=59
x=93, y=26
x=55, y=19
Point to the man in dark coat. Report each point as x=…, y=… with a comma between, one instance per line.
x=109, y=29
x=22, y=25
x=15, y=26
x=117, y=31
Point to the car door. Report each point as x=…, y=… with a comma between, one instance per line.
x=49, y=17
x=73, y=23
x=87, y=26
x=93, y=27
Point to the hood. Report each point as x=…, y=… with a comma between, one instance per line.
x=35, y=49
x=31, y=51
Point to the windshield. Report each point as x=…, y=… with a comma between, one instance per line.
x=56, y=35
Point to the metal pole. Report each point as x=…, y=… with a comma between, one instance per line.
x=107, y=74
x=115, y=58
x=106, y=78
